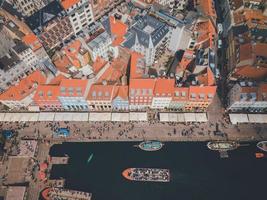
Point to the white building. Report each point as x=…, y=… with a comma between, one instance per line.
x=100, y=45
x=28, y=7
x=25, y=54
x=80, y=13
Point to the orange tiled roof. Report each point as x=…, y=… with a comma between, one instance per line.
x=123, y=91
x=180, y=91
x=72, y=52
x=202, y=90
x=68, y=3
x=73, y=87
x=249, y=71
x=24, y=88
x=100, y=92
x=142, y=84
x=164, y=87
x=47, y=93
x=57, y=80
x=98, y=64
x=117, y=27
x=63, y=64
x=32, y=41
x=207, y=7
x=115, y=71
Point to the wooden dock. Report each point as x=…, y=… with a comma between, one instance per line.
x=59, y=160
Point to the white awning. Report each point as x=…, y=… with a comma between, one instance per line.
x=46, y=116
x=63, y=117
x=120, y=117
x=138, y=116
x=172, y=117
x=101, y=116
x=80, y=117
x=29, y=117
x=180, y=117
x=257, y=118
x=238, y=118
x=201, y=117
x=2, y=116
x=190, y=117
x=164, y=117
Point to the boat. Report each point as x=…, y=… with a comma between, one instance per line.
x=222, y=145
x=151, y=145
x=262, y=145
x=259, y=155
x=147, y=174
x=90, y=158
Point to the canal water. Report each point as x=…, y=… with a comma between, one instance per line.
x=196, y=172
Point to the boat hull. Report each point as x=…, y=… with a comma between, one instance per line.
x=147, y=174
x=222, y=145
x=150, y=145
x=262, y=145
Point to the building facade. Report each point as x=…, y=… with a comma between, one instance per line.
x=80, y=14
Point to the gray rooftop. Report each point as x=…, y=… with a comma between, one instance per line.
x=101, y=38
x=146, y=30
x=20, y=47
x=8, y=61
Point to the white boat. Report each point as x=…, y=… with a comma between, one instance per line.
x=262, y=145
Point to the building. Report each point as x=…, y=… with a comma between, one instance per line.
x=25, y=54
x=21, y=95
x=102, y=7
x=72, y=58
x=80, y=13
x=100, y=96
x=99, y=45
x=121, y=99
x=28, y=7
x=247, y=96
x=163, y=93
x=149, y=37
x=73, y=93
x=179, y=33
x=51, y=24
x=141, y=93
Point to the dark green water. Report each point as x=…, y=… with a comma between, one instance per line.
x=196, y=172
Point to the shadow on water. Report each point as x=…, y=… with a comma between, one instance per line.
x=196, y=172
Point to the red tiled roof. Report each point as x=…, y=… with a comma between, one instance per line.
x=32, y=41
x=24, y=88
x=122, y=92
x=68, y=3
x=100, y=92
x=57, y=80
x=202, y=90
x=143, y=84
x=63, y=64
x=98, y=64
x=164, y=87
x=46, y=93
x=117, y=27
x=72, y=87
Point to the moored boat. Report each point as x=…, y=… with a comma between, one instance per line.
x=222, y=145
x=150, y=145
x=90, y=158
x=147, y=174
x=262, y=145
x=259, y=155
